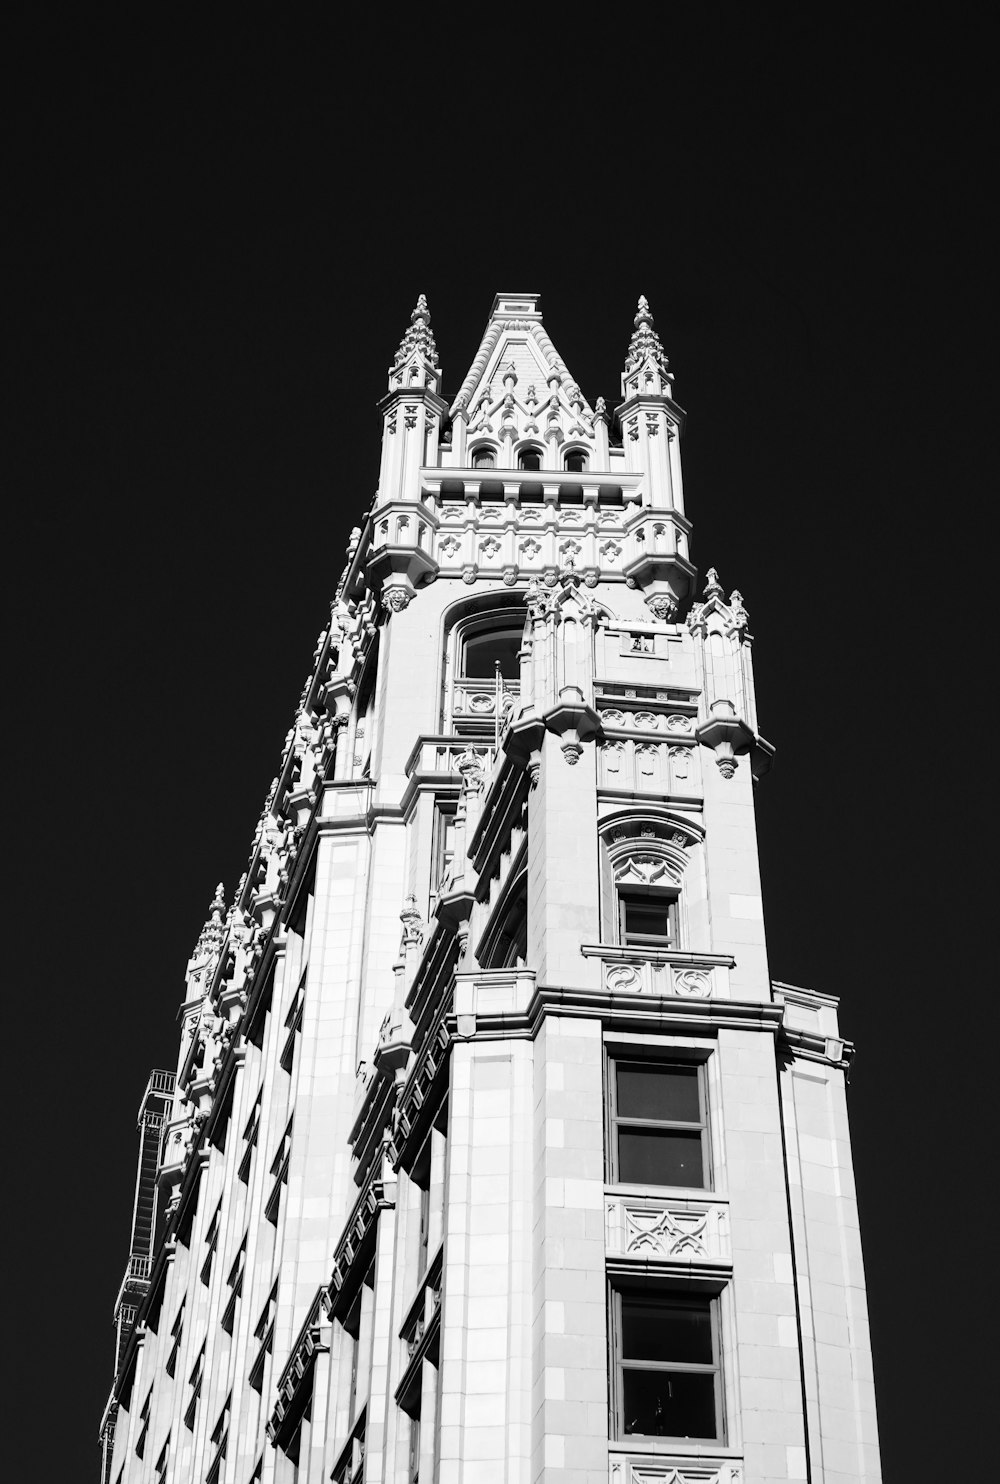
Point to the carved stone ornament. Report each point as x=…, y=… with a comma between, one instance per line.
x=470, y=765
x=412, y=921
x=734, y=616
x=646, y=344
x=418, y=337
x=623, y=979
x=665, y=1233
x=642, y=869
x=663, y=607
x=469, y=573
x=509, y=576
x=695, y=983
x=395, y=599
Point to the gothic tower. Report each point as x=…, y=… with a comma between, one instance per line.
x=494, y=1154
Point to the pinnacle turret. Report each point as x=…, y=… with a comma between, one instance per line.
x=646, y=343
x=418, y=337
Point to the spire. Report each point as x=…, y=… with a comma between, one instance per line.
x=418, y=337
x=206, y=950
x=646, y=344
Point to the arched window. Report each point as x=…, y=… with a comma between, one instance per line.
x=504, y=945
x=575, y=461
x=484, y=458
x=643, y=864
x=529, y=458
x=483, y=650
x=510, y=950
x=482, y=671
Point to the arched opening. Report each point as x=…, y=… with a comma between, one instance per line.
x=483, y=652
x=483, y=458
x=482, y=676
x=529, y=458
x=575, y=461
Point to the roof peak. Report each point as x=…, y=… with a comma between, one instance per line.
x=516, y=306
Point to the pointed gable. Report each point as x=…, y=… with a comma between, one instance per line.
x=518, y=384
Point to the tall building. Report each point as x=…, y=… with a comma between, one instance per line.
x=494, y=1154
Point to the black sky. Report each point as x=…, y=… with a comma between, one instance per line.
x=219, y=235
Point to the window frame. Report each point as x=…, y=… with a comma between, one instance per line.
x=473, y=633
x=615, y=1057
x=663, y=1297
x=629, y=892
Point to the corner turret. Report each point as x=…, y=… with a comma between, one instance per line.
x=651, y=423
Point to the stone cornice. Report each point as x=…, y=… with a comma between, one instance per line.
x=310, y=1342
x=625, y=1010
x=357, y=1241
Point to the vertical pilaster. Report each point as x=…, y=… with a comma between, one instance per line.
x=486, y=1323
x=563, y=891
x=568, y=1300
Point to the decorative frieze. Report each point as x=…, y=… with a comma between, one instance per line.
x=672, y=1229
x=644, y=718
x=660, y=1469
x=648, y=767
x=628, y=972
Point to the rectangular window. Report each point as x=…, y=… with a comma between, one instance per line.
x=140, y=1442
x=646, y=919
x=235, y=1284
x=250, y=1134
x=665, y=1366
x=176, y=1335
x=359, y=1324
x=293, y=1023
x=211, y=1242
x=220, y=1441
x=195, y=1380
x=279, y=1169
x=444, y=844
x=413, y=1458
x=264, y=1332
x=659, y=1133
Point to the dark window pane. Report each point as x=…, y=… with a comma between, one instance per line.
x=529, y=460
x=669, y=1094
x=647, y=918
x=669, y=1404
x=666, y=1332
x=483, y=650
x=576, y=462
x=649, y=1156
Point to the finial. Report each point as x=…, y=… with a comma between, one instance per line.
x=646, y=343
x=219, y=900
x=418, y=337
x=600, y=408
x=713, y=587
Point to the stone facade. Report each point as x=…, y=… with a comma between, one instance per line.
x=494, y=1153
